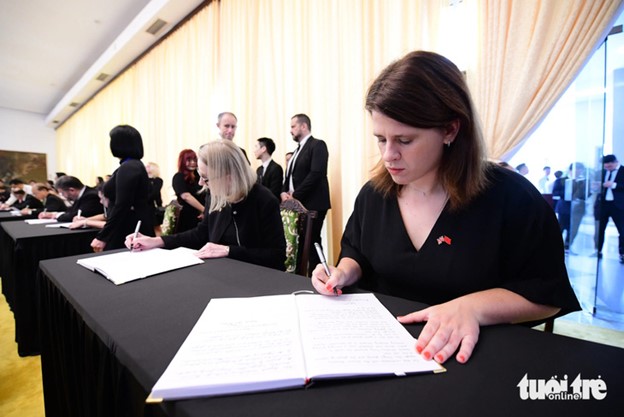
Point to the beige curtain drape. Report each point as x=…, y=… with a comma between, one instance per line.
x=529, y=53
x=266, y=60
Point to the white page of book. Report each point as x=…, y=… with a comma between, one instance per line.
x=237, y=345
x=122, y=267
x=59, y=225
x=354, y=334
x=40, y=221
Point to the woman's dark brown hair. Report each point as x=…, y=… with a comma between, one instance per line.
x=426, y=90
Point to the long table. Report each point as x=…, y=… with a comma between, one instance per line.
x=22, y=246
x=104, y=347
x=8, y=216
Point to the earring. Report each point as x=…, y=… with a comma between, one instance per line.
x=448, y=144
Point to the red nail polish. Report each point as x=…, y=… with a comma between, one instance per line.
x=439, y=358
x=419, y=349
x=427, y=355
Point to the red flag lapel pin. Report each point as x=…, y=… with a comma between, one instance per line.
x=444, y=239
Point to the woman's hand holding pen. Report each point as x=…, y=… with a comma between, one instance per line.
x=139, y=242
x=348, y=272
x=327, y=285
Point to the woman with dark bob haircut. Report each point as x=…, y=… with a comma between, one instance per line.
x=127, y=192
x=439, y=224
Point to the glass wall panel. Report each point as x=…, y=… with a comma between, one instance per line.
x=564, y=157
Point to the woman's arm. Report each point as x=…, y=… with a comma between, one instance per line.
x=192, y=201
x=98, y=221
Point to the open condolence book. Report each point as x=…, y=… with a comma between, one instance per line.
x=122, y=267
x=285, y=341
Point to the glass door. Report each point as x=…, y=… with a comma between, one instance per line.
x=564, y=156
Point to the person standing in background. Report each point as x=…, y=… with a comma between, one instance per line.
x=306, y=176
x=155, y=196
x=522, y=169
x=611, y=203
x=186, y=186
x=127, y=192
x=270, y=173
x=227, y=124
x=544, y=183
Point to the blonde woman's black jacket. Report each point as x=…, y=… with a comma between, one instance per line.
x=258, y=225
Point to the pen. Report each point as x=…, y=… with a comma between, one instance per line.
x=136, y=233
x=79, y=213
x=321, y=256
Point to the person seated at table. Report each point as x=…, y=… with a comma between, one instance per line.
x=5, y=193
x=51, y=202
x=25, y=202
x=84, y=200
x=440, y=225
x=15, y=184
x=99, y=220
x=242, y=218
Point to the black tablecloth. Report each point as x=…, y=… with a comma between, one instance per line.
x=7, y=216
x=22, y=247
x=104, y=347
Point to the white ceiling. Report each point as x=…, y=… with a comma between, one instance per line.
x=51, y=51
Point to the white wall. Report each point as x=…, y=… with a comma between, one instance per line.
x=27, y=132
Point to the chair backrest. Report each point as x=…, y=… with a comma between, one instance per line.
x=297, y=222
x=170, y=218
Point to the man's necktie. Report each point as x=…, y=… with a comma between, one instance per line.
x=292, y=162
x=609, y=193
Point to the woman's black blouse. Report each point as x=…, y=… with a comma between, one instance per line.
x=252, y=229
x=508, y=237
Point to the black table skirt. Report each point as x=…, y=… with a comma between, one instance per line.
x=22, y=247
x=104, y=347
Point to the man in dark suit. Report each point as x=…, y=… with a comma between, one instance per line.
x=611, y=202
x=270, y=173
x=84, y=200
x=25, y=202
x=306, y=176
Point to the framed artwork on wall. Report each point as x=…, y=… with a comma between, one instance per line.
x=23, y=165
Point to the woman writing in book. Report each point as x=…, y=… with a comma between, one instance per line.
x=439, y=224
x=242, y=219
